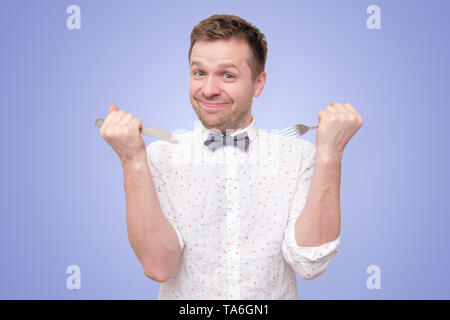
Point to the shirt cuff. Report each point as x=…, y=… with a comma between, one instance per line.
x=308, y=262
x=311, y=253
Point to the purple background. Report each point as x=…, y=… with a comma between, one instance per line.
x=62, y=197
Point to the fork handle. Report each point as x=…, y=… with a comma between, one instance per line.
x=315, y=127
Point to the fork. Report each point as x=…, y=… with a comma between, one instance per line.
x=294, y=131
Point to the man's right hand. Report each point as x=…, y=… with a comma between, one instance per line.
x=121, y=131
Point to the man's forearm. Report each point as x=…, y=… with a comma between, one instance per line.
x=319, y=221
x=151, y=236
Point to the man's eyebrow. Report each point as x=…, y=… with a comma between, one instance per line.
x=220, y=65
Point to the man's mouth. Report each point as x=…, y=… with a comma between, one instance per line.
x=212, y=105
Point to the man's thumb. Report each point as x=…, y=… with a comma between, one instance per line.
x=113, y=108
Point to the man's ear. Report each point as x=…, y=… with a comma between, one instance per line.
x=259, y=84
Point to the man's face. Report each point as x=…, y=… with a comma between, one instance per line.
x=221, y=86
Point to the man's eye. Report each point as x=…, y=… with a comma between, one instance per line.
x=199, y=73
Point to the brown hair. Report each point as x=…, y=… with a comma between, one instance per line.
x=227, y=26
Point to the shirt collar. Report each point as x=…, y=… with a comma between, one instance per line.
x=252, y=131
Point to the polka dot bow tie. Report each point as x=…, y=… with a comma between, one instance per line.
x=216, y=140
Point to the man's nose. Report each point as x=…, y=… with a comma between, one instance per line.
x=211, y=87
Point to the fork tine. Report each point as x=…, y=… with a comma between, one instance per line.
x=288, y=132
x=287, y=129
x=294, y=130
x=293, y=134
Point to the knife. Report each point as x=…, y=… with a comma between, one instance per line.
x=149, y=131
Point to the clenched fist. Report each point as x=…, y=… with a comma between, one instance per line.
x=337, y=125
x=121, y=131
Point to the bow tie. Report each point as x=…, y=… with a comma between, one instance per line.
x=216, y=140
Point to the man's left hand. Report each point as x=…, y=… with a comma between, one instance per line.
x=337, y=125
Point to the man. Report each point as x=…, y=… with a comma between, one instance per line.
x=230, y=212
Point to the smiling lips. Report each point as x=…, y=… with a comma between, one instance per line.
x=212, y=105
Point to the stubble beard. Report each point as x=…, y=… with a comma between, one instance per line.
x=230, y=120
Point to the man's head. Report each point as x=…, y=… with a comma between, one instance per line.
x=226, y=59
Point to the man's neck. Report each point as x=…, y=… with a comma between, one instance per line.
x=239, y=127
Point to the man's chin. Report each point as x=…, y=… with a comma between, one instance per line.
x=211, y=124
x=211, y=121
x=208, y=124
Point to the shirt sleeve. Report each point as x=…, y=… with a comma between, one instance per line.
x=161, y=191
x=308, y=262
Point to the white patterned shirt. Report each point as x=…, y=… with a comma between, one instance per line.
x=234, y=213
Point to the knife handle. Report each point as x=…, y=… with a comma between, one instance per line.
x=150, y=132
x=99, y=123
